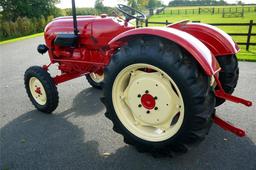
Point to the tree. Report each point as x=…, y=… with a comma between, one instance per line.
x=99, y=5
x=12, y=9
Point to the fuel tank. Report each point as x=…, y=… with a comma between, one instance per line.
x=94, y=31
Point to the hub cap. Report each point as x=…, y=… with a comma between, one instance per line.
x=97, y=77
x=37, y=91
x=148, y=103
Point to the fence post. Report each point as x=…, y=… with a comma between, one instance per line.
x=146, y=23
x=223, y=13
x=194, y=10
x=249, y=35
x=178, y=12
x=166, y=22
x=199, y=10
x=213, y=10
x=242, y=12
x=218, y=10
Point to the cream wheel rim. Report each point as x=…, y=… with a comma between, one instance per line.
x=148, y=102
x=97, y=77
x=37, y=90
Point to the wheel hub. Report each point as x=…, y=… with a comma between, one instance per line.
x=148, y=101
x=156, y=105
x=37, y=90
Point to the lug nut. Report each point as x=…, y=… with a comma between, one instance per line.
x=139, y=105
x=139, y=95
x=148, y=112
x=146, y=91
x=155, y=97
x=156, y=108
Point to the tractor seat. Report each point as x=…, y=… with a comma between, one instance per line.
x=66, y=40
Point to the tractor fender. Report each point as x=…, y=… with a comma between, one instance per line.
x=191, y=44
x=217, y=41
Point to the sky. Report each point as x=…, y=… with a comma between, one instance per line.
x=112, y=3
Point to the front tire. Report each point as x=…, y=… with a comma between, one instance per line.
x=95, y=80
x=41, y=89
x=169, y=119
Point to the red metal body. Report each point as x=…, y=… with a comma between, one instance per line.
x=100, y=37
x=91, y=54
x=216, y=40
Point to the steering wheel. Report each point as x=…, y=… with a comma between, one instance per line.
x=130, y=13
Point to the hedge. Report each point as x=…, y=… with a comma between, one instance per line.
x=22, y=27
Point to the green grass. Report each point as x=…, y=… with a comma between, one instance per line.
x=217, y=18
x=20, y=38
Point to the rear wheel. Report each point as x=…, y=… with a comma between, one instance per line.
x=41, y=89
x=228, y=75
x=157, y=96
x=95, y=80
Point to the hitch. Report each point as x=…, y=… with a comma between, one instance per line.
x=229, y=127
x=226, y=96
x=222, y=123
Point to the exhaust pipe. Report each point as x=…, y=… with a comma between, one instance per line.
x=74, y=17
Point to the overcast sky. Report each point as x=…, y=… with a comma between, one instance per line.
x=90, y=3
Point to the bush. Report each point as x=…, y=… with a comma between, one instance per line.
x=22, y=27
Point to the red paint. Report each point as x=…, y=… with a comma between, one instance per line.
x=227, y=126
x=65, y=77
x=38, y=90
x=168, y=34
x=226, y=96
x=217, y=43
x=92, y=52
x=148, y=101
x=222, y=94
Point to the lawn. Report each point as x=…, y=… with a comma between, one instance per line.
x=216, y=18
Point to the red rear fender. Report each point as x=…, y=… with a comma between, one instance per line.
x=195, y=47
x=216, y=40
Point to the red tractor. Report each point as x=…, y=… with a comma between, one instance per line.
x=160, y=85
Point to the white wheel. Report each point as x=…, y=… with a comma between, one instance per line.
x=41, y=89
x=37, y=90
x=97, y=77
x=148, y=103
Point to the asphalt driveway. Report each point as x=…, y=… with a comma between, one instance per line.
x=78, y=136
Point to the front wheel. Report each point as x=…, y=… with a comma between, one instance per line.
x=95, y=80
x=41, y=89
x=157, y=96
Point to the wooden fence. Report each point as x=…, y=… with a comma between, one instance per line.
x=249, y=34
x=211, y=10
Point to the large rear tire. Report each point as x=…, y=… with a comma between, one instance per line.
x=157, y=96
x=228, y=75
